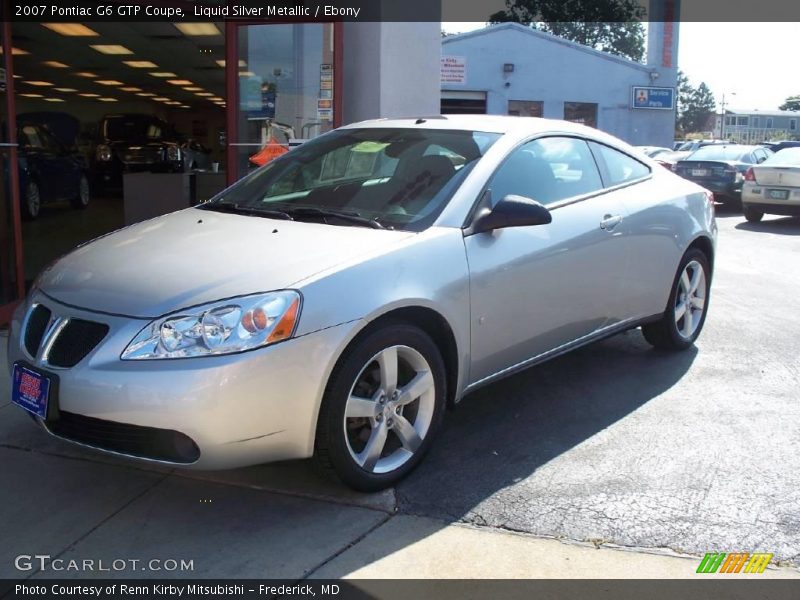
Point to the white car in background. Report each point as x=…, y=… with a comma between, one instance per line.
x=773, y=187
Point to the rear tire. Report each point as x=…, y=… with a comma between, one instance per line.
x=687, y=307
x=382, y=408
x=753, y=215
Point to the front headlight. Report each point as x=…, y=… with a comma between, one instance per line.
x=173, y=153
x=103, y=153
x=223, y=327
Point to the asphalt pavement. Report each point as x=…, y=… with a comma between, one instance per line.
x=615, y=446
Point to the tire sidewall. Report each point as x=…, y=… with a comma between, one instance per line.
x=672, y=327
x=330, y=429
x=32, y=214
x=84, y=180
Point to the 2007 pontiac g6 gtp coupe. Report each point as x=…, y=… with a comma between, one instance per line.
x=333, y=302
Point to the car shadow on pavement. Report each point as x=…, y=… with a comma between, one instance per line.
x=781, y=226
x=506, y=431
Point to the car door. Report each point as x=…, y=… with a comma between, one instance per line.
x=535, y=289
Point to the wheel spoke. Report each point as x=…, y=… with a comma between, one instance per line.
x=696, y=277
x=699, y=302
x=422, y=382
x=359, y=407
x=368, y=457
x=407, y=434
x=680, y=310
x=387, y=360
x=685, y=281
x=688, y=323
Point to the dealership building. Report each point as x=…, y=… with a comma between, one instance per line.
x=510, y=69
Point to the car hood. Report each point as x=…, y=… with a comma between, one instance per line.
x=196, y=256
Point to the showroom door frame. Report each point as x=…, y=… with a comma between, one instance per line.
x=10, y=145
x=232, y=86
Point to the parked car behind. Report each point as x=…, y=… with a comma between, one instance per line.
x=357, y=285
x=721, y=169
x=778, y=146
x=692, y=145
x=49, y=171
x=653, y=151
x=134, y=142
x=773, y=187
x=670, y=159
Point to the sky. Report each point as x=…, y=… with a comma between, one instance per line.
x=753, y=64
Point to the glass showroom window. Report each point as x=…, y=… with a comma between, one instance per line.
x=285, y=89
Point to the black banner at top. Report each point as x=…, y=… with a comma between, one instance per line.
x=384, y=10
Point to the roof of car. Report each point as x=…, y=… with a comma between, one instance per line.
x=486, y=123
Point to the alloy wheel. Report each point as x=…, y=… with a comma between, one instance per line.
x=690, y=301
x=389, y=409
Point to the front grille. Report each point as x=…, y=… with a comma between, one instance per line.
x=37, y=324
x=123, y=438
x=75, y=341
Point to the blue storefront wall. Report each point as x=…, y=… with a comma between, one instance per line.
x=554, y=71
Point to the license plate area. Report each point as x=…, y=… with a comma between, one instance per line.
x=34, y=391
x=778, y=194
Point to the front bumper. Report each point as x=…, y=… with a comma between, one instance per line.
x=238, y=410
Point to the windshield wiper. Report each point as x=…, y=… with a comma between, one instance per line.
x=240, y=209
x=344, y=215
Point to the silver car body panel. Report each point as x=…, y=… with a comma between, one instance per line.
x=511, y=297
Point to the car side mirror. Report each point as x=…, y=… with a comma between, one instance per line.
x=511, y=211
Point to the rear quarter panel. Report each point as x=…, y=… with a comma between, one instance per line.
x=666, y=215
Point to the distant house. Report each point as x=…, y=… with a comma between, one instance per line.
x=512, y=69
x=751, y=126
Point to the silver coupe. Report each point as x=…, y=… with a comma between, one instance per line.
x=335, y=301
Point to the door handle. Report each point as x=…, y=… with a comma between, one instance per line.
x=610, y=221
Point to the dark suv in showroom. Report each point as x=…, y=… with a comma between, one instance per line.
x=134, y=142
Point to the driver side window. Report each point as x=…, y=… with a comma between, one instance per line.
x=547, y=170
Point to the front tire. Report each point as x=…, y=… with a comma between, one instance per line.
x=753, y=215
x=686, y=310
x=382, y=408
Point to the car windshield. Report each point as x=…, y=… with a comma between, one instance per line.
x=787, y=156
x=687, y=146
x=719, y=153
x=132, y=127
x=380, y=177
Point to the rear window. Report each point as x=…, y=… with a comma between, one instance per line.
x=719, y=153
x=787, y=156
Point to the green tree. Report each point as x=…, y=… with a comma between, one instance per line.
x=792, y=103
x=684, y=99
x=699, y=106
x=612, y=26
